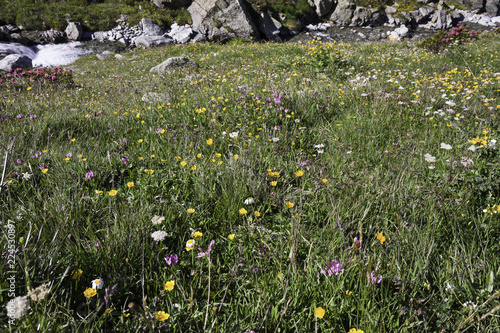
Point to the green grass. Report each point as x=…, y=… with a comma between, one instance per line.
x=377, y=109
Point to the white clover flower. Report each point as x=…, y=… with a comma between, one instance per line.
x=39, y=293
x=159, y=235
x=97, y=283
x=157, y=220
x=18, y=307
x=429, y=158
x=432, y=167
x=445, y=146
x=249, y=201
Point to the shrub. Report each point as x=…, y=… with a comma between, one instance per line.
x=443, y=40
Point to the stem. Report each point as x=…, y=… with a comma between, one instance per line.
x=208, y=296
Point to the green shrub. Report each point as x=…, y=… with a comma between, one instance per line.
x=444, y=40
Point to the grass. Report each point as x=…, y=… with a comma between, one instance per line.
x=357, y=154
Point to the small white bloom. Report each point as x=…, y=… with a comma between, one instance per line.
x=233, y=135
x=492, y=143
x=249, y=201
x=26, y=175
x=429, y=158
x=159, y=235
x=157, y=220
x=97, y=283
x=449, y=287
x=18, y=307
x=276, y=139
x=472, y=148
x=467, y=162
x=445, y=146
x=319, y=146
x=349, y=152
x=470, y=304
x=432, y=167
x=321, y=151
x=190, y=243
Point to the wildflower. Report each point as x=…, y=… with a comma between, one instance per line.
x=149, y=171
x=197, y=235
x=256, y=213
x=203, y=253
x=299, y=173
x=97, y=283
x=470, y=304
x=190, y=244
x=279, y=276
x=233, y=135
x=26, y=176
x=357, y=242
x=353, y=330
x=324, y=180
x=19, y=161
x=169, y=285
x=275, y=139
x=445, y=146
x=90, y=292
x=45, y=170
x=249, y=201
x=89, y=175
x=190, y=210
x=159, y=235
x=274, y=183
x=235, y=156
x=112, y=193
x=192, y=168
x=332, y=268
x=210, y=142
x=374, y=279
x=231, y=236
x=380, y=237
x=125, y=159
x=161, y=315
x=429, y=158
x=243, y=211
x=319, y=312
x=183, y=163
x=98, y=192
x=157, y=219
x=289, y=204
x=130, y=184
x=39, y=293
x=76, y=274
x=18, y=307
x=172, y=259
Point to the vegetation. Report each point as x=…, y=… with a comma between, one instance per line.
x=280, y=187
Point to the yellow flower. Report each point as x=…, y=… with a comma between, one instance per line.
x=235, y=156
x=380, y=237
x=190, y=210
x=130, y=184
x=256, y=213
x=45, y=170
x=89, y=292
x=210, y=142
x=76, y=274
x=280, y=276
x=199, y=155
x=299, y=173
x=197, y=235
x=140, y=141
x=112, y=193
x=149, y=171
x=125, y=315
x=274, y=183
x=231, y=236
x=243, y=211
x=107, y=311
x=161, y=315
x=319, y=312
x=190, y=244
x=169, y=285
x=324, y=180
x=218, y=155
x=353, y=330
x=29, y=88
x=289, y=204
x=183, y=163
x=193, y=167
x=98, y=192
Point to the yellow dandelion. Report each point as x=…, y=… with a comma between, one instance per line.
x=161, y=316
x=130, y=184
x=45, y=170
x=243, y=211
x=210, y=142
x=235, y=156
x=324, y=180
x=197, y=235
x=289, y=204
x=380, y=237
x=183, y=163
x=274, y=183
x=112, y=193
x=190, y=210
x=231, y=236
x=299, y=173
x=256, y=213
x=169, y=286
x=89, y=292
x=319, y=312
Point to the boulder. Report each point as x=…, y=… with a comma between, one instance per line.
x=74, y=31
x=171, y=3
x=149, y=41
x=492, y=7
x=343, y=13
x=180, y=33
x=222, y=19
x=323, y=7
x=150, y=28
x=361, y=16
x=45, y=37
x=15, y=61
x=174, y=64
x=104, y=55
x=440, y=20
x=472, y=5
x=269, y=26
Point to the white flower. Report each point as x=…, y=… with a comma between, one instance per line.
x=467, y=162
x=26, y=175
x=429, y=158
x=18, y=307
x=97, y=283
x=249, y=201
x=39, y=293
x=319, y=146
x=157, y=220
x=449, y=287
x=470, y=304
x=472, y=148
x=432, y=167
x=492, y=143
x=159, y=235
x=276, y=139
x=233, y=135
x=445, y=146
x=321, y=151
x=190, y=243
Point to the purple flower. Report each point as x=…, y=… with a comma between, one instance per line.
x=172, y=259
x=203, y=253
x=374, y=279
x=89, y=175
x=158, y=130
x=69, y=155
x=33, y=116
x=125, y=159
x=357, y=242
x=19, y=116
x=19, y=161
x=276, y=128
x=37, y=155
x=332, y=268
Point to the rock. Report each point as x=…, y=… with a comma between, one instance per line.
x=180, y=34
x=198, y=37
x=323, y=7
x=269, y=26
x=472, y=5
x=15, y=61
x=74, y=31
x=18, y=38
x=153, y=97
x=171, y=3
x=343, y=12
x=119, y=56
x=149, y=41
x=440, y=20
x=104, y=55
x=496, y=20
x=174, y=64
x=402, y=31
x=492, y=7
x=150, y=28
x=360, y=17
x=219, y=19
x=393, y=37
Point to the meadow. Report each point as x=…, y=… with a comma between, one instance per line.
x=314, y=187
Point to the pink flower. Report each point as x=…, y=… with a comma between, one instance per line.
x=203, y=253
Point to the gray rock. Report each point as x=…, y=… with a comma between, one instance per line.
x=198, y=37
x=402, y=31
x=323, y=7
x=492, y=7
x=149, y=41
x=104, y=55
x=174, y=64
x=171, y=3
x=150, y=28
x=440, y=20
x=360, y=17
x=15, y=61
x=180, y=33
x=219, y=19
x=74, y=31
x=269, y=26
x=343, y=12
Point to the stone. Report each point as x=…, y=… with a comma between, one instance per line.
x=219, y=19
x=15, y=61
x=492, y=7
x=343, y=13
x=150, y=28
x=174, y=64
x=360, y=17
x=104, y=55
x=269, y=26
x=323, y=7
x=149, y=41
x=74, y=31
x=171, y=3
x=180, y=34
x=402, y=31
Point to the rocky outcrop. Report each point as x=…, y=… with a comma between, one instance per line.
x=15, y=61
x=150, y=28
x=74, y=31
x=220, y=20
x=122, y=33
x=492, y=7
x=269, y=26
x=45, y=37
x=150, y=41
x=174, y=64
x=343, y=12
x=180, y=33
x=441, y=19
x=323, y=7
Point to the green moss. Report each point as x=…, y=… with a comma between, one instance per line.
x=217, y=23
